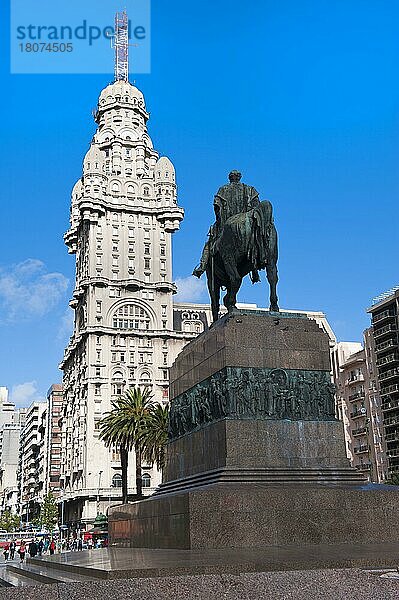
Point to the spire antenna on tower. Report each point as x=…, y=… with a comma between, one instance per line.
x=120, y=41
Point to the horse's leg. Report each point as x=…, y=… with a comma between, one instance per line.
x=272, y=277
x=234, y=285
x=214, y=293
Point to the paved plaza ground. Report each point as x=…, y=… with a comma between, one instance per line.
x=275, y=573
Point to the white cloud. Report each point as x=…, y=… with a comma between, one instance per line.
x=190, y=289
x=66, y=325
x=27, y=290
x=24, y=394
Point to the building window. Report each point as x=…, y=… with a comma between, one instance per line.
x=146, y=191
x=163, y=251
x=147, y=264
x=131, y=357
x=165, y=374
x=164, y=307
x=98, y=306
x=117, y=389
x=98, y=340
x=146, y=234
x=147, y=249
x=98, y=371
x=97, y=389
x=131, y=232
x=145, y=378
x=122, y=358
x=146, y=480
x=98, y=355
x=117, y=480
x=130, y=316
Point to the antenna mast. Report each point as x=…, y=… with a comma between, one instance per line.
x=121, y=43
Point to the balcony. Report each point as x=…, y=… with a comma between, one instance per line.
x=392, y=437
x=364, y=466
x=355, y=379
x=390, y=389
x=384, y=330
x=389, y=374
x=386, y=360
x=386, y=345
x=393, y=453
x=386, y=314
x=390, y=405
x=361, y=449
x=359, y=431
x=356, y=396
x=394, y=420
x=358, y=413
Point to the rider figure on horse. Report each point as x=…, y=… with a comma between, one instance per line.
x=231, y=199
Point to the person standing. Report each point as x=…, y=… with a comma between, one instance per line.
x=80, y=544
x=52, y=547
x=6, y=552
x=40, y=547
x=12, y=549
x=22, y=551
x=32, y=548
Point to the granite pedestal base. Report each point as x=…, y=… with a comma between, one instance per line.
x=257, y=515
x=256, y=456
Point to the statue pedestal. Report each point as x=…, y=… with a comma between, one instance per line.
x=256, y=456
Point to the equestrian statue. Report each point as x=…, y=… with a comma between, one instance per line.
x=242, y=241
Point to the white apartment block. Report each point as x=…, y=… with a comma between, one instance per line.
x=11, y=422
x=30, y=476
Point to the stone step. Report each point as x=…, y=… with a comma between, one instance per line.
x=41, y=573
x=10, y=579
x=75, y=572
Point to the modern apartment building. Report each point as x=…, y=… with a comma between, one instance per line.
x=384, y=335
x=29, y=475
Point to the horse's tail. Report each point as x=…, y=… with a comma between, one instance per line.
x=263, y=247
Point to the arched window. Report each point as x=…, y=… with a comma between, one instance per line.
x=130, y=190
x=145, y=378
x=131, y=316
x=146, y=480
x=115, y=186
x=146, y=191
x=117, y=480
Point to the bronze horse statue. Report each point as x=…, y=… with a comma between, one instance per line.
x=246, y=244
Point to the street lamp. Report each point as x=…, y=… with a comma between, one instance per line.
x=98, y=492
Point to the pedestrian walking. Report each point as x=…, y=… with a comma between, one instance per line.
x=33, y=548
x=80, y=544
x=12, y=549
x=52, y=547
x=22, y=551
x=46, y=545
x=40, y=547
x=6, y=552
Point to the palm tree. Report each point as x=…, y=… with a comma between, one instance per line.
x=122, y=426
x=154, y=435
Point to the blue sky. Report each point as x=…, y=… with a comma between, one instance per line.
x=302, y=97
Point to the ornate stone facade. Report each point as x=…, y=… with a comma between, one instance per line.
x=123, y=213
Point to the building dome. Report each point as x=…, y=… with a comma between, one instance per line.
x=121, y=91
x=164, y=171
x=94, y=159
